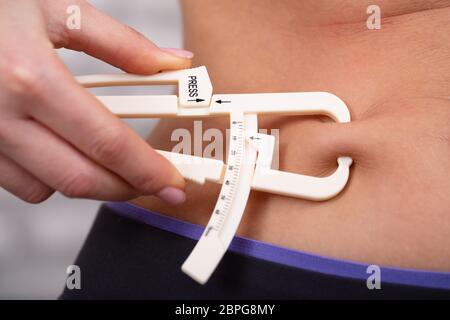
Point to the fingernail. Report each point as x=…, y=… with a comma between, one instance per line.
x=172, y=195
x=179, y=52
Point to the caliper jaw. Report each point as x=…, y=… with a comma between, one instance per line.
x=290, y=184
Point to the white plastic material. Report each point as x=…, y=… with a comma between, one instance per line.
x=194, y=168
x=194, y=86
x=141, y=106
x=230, y=206
x=250, y=158
x=288, y=103
x=301, y=186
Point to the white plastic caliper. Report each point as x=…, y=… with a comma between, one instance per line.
x=250, y=153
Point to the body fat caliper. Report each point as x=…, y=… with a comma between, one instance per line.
x=249, y=156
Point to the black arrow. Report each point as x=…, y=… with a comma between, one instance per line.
x=222, y=101
x=197, y=100
x=208, y=230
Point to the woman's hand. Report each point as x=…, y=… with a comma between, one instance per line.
x=54, y=135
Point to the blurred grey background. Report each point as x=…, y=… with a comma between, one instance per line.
x=38, y=242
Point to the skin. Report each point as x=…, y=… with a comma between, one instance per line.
x=396, y=83
x=54, y=135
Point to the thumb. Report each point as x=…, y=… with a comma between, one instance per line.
x=117, y=44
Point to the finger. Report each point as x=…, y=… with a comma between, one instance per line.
x=19, y=182
x=115, y=43
x=77, y=116
x=59, y=165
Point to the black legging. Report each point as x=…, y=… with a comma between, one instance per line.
x=125, y=259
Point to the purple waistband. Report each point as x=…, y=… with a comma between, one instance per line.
x=289, y=257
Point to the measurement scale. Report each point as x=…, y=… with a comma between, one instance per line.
x=250, y=153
